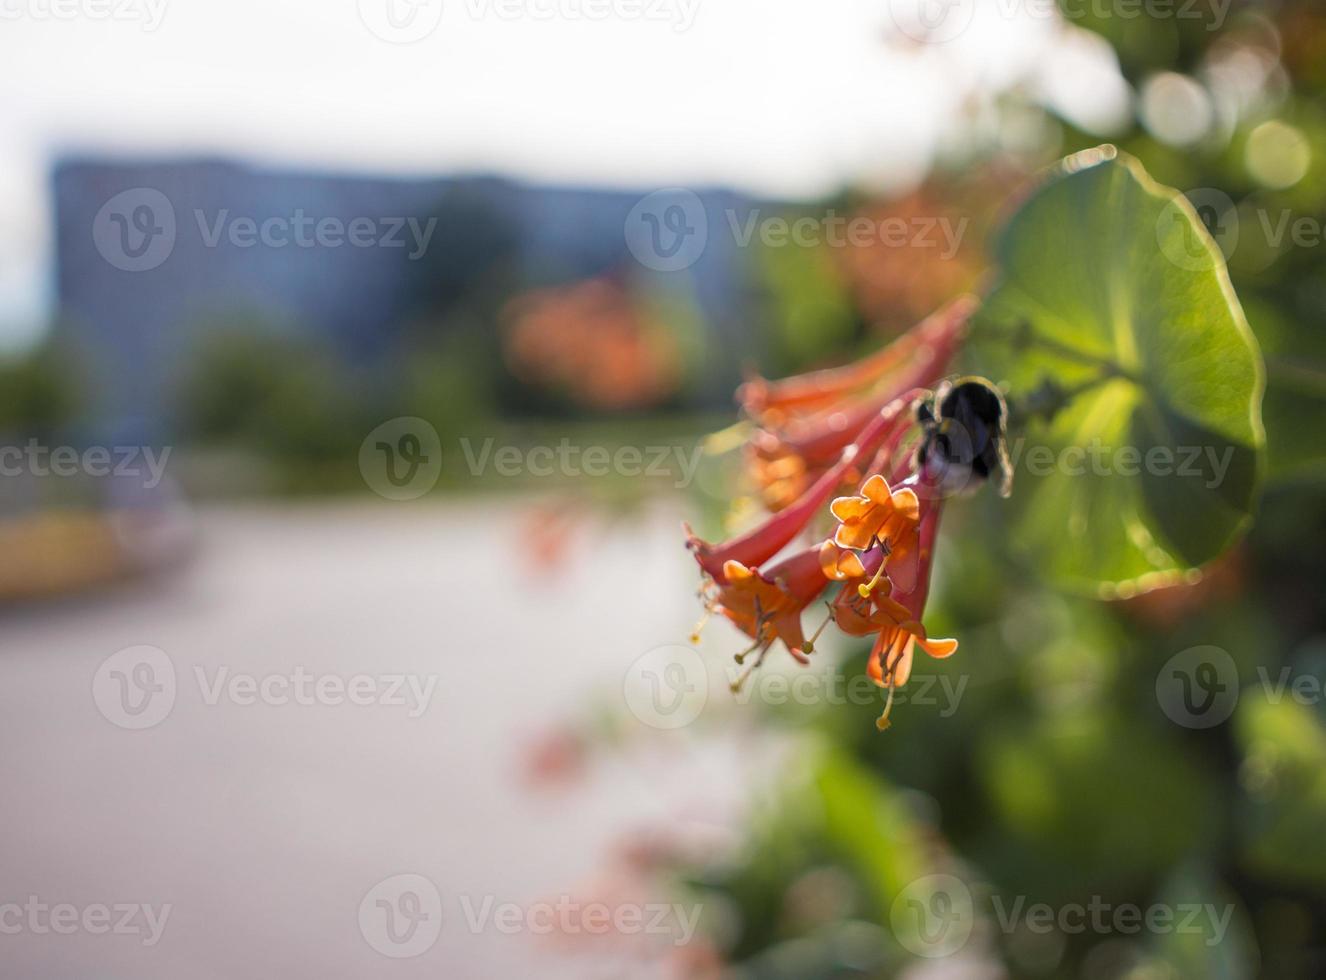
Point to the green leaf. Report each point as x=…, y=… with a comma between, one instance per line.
x=1111, y=288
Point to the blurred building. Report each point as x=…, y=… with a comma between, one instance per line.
x=152, y=256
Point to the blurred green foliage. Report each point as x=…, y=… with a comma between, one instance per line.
x=259, y=388
x=809, y=317
x=38, y=392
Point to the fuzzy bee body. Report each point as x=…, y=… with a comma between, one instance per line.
x=964, y=435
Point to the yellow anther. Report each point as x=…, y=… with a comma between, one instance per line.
x=810, y=644
x=741, y=657
x=882, y=722
x=736, y=685
x=865, y=590
x=699, y=627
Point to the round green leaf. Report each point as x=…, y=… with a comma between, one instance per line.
x=1111, y=288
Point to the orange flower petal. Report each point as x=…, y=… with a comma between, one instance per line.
x=877, y=491
x=849, y=508
x=787, y=628
x=873, y=669
x=735, y=571
x=906, y=504
x=891, y=608
x=854, y=536
x=939, y=649
x=903, y=669
x=839, y=564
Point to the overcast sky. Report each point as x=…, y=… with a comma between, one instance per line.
x=784, y=97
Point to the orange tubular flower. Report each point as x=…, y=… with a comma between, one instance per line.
x=877, y=515
x=880, y=516
x=879, y=530
x=784, y=466
x=807, y=420
x=848, y=428
x=767, y=606
x=858, y=616
x=931, y=342
x=763, y=542
x=853, y=610
x=899, y=615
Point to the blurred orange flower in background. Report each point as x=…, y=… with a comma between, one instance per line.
x=925, y=250
x=593, y=342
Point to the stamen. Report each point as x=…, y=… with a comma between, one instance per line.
x=736, y=686
x=882, y=722
x=741, y=657
x=810, y=644
x=865, y=590
x=699, y=627
x=891, y=665
x=761, y=630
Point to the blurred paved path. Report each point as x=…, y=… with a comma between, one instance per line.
x=265, y=825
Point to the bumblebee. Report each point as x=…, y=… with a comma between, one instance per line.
x=964, y=427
